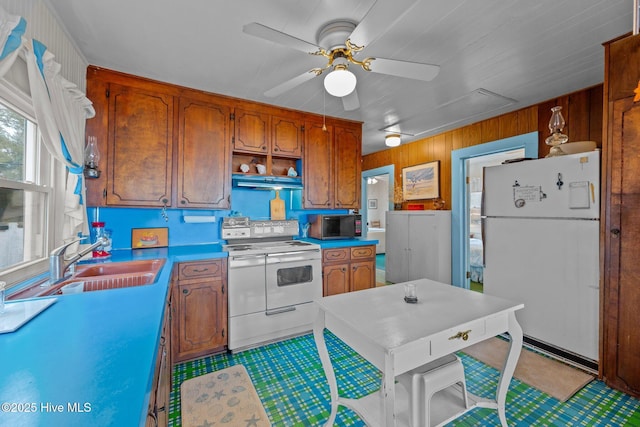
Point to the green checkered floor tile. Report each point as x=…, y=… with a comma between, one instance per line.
x=289, y=379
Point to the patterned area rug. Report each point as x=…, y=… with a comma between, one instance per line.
x=225, y=397
x=555, y=378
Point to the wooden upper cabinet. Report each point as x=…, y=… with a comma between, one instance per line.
x=348, y=165
x=332, y=166
x=286, y=137
x=318, y=166
x=204, y=155
x=140, y=147
x=257, y=132
x=251, y=132
x=623, y=73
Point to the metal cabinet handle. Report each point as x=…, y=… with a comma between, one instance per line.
x=279, y=311
x=615, y=232
x=185, y=291
x=202, y=270
x=462, y=334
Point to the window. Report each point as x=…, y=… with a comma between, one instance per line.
x=26, y=196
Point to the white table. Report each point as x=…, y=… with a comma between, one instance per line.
x=397, y=337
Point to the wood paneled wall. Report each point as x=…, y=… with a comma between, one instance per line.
x=581, y=110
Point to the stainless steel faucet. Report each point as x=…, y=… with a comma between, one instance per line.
x=57, y=265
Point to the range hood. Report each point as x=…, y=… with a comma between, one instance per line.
x=267, y=182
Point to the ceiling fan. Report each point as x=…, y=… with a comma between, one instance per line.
x=340, y=42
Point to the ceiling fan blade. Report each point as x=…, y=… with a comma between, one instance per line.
x=351, y=102
x=406, y=69
x=290, y=84
x=267, y=33
x=382, y=16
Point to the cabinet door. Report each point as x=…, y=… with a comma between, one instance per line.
x=397, y=259
x=318, y=161
x=362, y=275
x=202, y=318
x=429, y=250
x=286, y=137
x=164, y=382
x=621, y=341
x=335, y=279
x=204, y=155
x=348, y=165
x=251, y=131
x=140, y=147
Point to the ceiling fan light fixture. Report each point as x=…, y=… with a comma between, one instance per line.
x=340, y=82
x=392, y=140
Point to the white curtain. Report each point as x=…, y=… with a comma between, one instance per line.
x=61, y=111
x=11, y=30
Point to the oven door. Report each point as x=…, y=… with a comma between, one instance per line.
x=246, y=284
x=293, y=278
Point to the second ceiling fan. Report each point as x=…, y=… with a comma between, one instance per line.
x=340, y=42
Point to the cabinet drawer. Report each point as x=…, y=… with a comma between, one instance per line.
x=478, y=330
x=362, y=252
x=454, y=339
x=194, y=270
x=331, y=255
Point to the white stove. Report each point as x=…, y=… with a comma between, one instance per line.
x=273, y=281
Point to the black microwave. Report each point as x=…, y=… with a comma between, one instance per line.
x=336, y=227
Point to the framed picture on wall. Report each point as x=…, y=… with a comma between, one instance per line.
x=373, y=204
x=421, y=181
x=149, y=237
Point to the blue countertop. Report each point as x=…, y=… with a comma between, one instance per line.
x=89, y=358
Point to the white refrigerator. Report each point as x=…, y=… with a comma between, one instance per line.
x=541, y=246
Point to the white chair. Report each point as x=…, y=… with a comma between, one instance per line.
x=425, y=381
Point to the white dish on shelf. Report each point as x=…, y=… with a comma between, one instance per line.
x=17, y=313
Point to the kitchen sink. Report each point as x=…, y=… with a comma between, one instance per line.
x=120, y=268
x=115, y=275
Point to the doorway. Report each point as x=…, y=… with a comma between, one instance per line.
x=377, y=200
x=466, y=196
x=475, y=171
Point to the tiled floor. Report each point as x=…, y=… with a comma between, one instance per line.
x=290, y=381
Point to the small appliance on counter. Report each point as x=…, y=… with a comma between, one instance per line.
x=346, y=226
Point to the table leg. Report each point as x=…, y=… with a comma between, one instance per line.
x=318, y=335
x=389, y=391
x=515, y=346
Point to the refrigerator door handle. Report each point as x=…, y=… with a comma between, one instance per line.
x=483, y=226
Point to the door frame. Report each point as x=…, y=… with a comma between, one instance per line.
x=459, y=203
x=390, y=170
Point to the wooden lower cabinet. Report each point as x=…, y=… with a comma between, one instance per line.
x=158, y=413
x=348, y=269
x=199, y=309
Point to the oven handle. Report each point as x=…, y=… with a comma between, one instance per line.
x=293, y=253
x=242, y=257
x=280, y=310
x=244, y=261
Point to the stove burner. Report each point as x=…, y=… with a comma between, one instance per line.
x=267, y=247
x=299, y=243
x=240, y=247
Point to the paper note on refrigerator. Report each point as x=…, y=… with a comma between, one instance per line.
x=579, y=195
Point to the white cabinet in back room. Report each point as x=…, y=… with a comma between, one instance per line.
x=418, y=246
